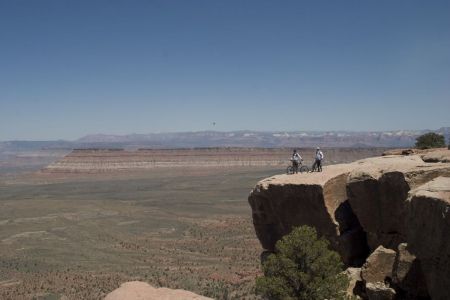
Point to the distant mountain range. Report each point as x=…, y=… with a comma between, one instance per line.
x=400, y=138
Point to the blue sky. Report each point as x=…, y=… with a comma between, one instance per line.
x=71, y=68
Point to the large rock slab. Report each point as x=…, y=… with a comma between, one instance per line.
x=377, y=190
x=138, y=290
x=429, y=233
x=319, y=200
x=379, y=265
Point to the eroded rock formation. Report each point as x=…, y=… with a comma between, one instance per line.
x=318, y=200
x=377, y=190
x=398, y=203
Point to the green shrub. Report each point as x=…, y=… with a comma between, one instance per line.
x=430, y=140
x=303, y=267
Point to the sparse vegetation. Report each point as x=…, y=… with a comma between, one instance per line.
x=192, y=232
x=430, y=140
x=302, y=268
x=216, y=290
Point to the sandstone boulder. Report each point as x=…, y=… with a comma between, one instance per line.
x=137, y=290
x=379, y=291
x=437, y=156
x=317, y=199
x=379, y=265
x=429, y=233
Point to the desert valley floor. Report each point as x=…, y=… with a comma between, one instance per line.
x=79, y=235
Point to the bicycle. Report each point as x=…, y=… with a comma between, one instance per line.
x=301, y=168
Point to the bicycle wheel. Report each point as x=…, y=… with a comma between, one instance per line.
x=289, y=170
x=304, y=169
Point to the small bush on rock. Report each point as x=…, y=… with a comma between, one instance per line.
x=303, y=268
x=430, y=140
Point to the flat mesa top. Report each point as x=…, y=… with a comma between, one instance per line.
x=314, y=178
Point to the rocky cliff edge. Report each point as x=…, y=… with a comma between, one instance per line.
x=394, y=204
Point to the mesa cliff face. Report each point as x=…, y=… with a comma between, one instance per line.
x=112, y=160
x=398, y=203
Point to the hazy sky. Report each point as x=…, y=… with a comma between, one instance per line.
x=71, y=68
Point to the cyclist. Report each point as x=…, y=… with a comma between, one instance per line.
x=318, y=160
x=296, y=159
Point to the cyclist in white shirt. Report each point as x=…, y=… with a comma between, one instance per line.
x=318, y=160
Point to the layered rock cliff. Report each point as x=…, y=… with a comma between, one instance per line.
x=111, y=160
x=398, y=203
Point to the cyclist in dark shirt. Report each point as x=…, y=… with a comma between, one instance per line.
x=296, y=159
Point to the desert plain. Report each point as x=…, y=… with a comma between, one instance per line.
x=180, y=220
